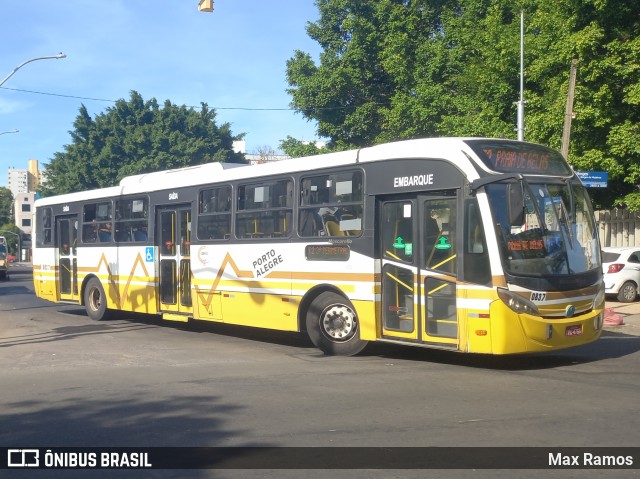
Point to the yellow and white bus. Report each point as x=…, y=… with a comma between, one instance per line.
x=474, y=245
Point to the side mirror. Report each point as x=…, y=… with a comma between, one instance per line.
x=515, y=199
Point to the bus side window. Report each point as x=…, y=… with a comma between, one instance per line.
x=131, y=220
x=477, y=268
x=265, y=209
x=335, y=201
x=310, y=223
x=89, y=233
x=214, y=214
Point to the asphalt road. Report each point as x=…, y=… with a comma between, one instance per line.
x=138, y=382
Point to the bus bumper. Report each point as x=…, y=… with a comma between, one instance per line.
x=522, y=333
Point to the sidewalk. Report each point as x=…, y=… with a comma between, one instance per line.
x=628, y=314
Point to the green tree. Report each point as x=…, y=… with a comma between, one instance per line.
x=7, y=220
x=297, y=148
x=135, y=137
x=6, y=206
x=397, y=69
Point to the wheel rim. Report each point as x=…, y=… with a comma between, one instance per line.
x=338, y=322
x=95, y=299
x=629, y=292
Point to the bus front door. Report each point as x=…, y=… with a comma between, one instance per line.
x=418, y=279
x=67, y=243
x=173, y=238
x=438, y=269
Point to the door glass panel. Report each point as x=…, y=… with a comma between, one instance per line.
x=167, y=233
x=440, y=235
x=185, y=282
x=441, y=308
x=73, y=225
x=398, y=294
x=185, y=232
x=75, y=276
x=397, y=231
x=65, y=238
x=185, y=264
x=65, y=276
x=168, y=281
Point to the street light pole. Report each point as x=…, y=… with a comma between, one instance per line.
x=12, y=131
x=58, y=56
x=520, y=126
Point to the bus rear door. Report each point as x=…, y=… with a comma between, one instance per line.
x=67, y=259
x=173, y=238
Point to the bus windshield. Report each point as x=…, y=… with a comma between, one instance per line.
x=547, y=230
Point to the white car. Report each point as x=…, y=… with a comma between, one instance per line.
x=621, y=268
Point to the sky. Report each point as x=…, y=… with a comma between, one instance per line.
x=233, y=59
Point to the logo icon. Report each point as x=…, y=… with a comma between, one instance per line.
x=23, y=457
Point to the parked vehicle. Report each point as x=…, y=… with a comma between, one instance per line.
x=621, y=268
x=4, y=261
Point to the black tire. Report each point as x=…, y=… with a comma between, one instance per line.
x=628, y=292
x=333, y=326
x=95, y=301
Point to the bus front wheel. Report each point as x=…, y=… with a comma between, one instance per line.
x=333, y=325
x=95, y=301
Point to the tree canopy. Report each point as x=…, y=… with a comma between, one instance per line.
x=6, y=206
x=135, y=137
x=7, y=219
x=399, y=69
x=297, y=148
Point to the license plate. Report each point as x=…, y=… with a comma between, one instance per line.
x=573, y=330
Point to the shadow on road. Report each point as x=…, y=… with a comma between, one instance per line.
x=610, y=345
x=139, y=420
x=284, y=338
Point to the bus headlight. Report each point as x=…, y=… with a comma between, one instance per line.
x=597, y=321
x=599, y=299
x=517, y=303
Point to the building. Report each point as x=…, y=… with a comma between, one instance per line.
x=23, y=213
x=263, y=154
x=24, y=181
x=23, y=185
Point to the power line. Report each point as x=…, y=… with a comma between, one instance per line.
x=57, y=94
x=241, y=108
x=114, y=101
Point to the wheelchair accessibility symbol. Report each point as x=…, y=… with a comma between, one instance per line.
x=149, y=254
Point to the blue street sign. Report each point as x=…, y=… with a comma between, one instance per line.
x=594, y=179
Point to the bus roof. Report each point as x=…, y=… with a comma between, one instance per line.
x=453, y=149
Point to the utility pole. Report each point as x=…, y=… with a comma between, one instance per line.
x=568, y=112
x=520, y=119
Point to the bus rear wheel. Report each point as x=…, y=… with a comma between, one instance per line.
x=333, y=326
x=95, y=301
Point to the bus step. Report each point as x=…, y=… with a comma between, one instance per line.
x=175, y=317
